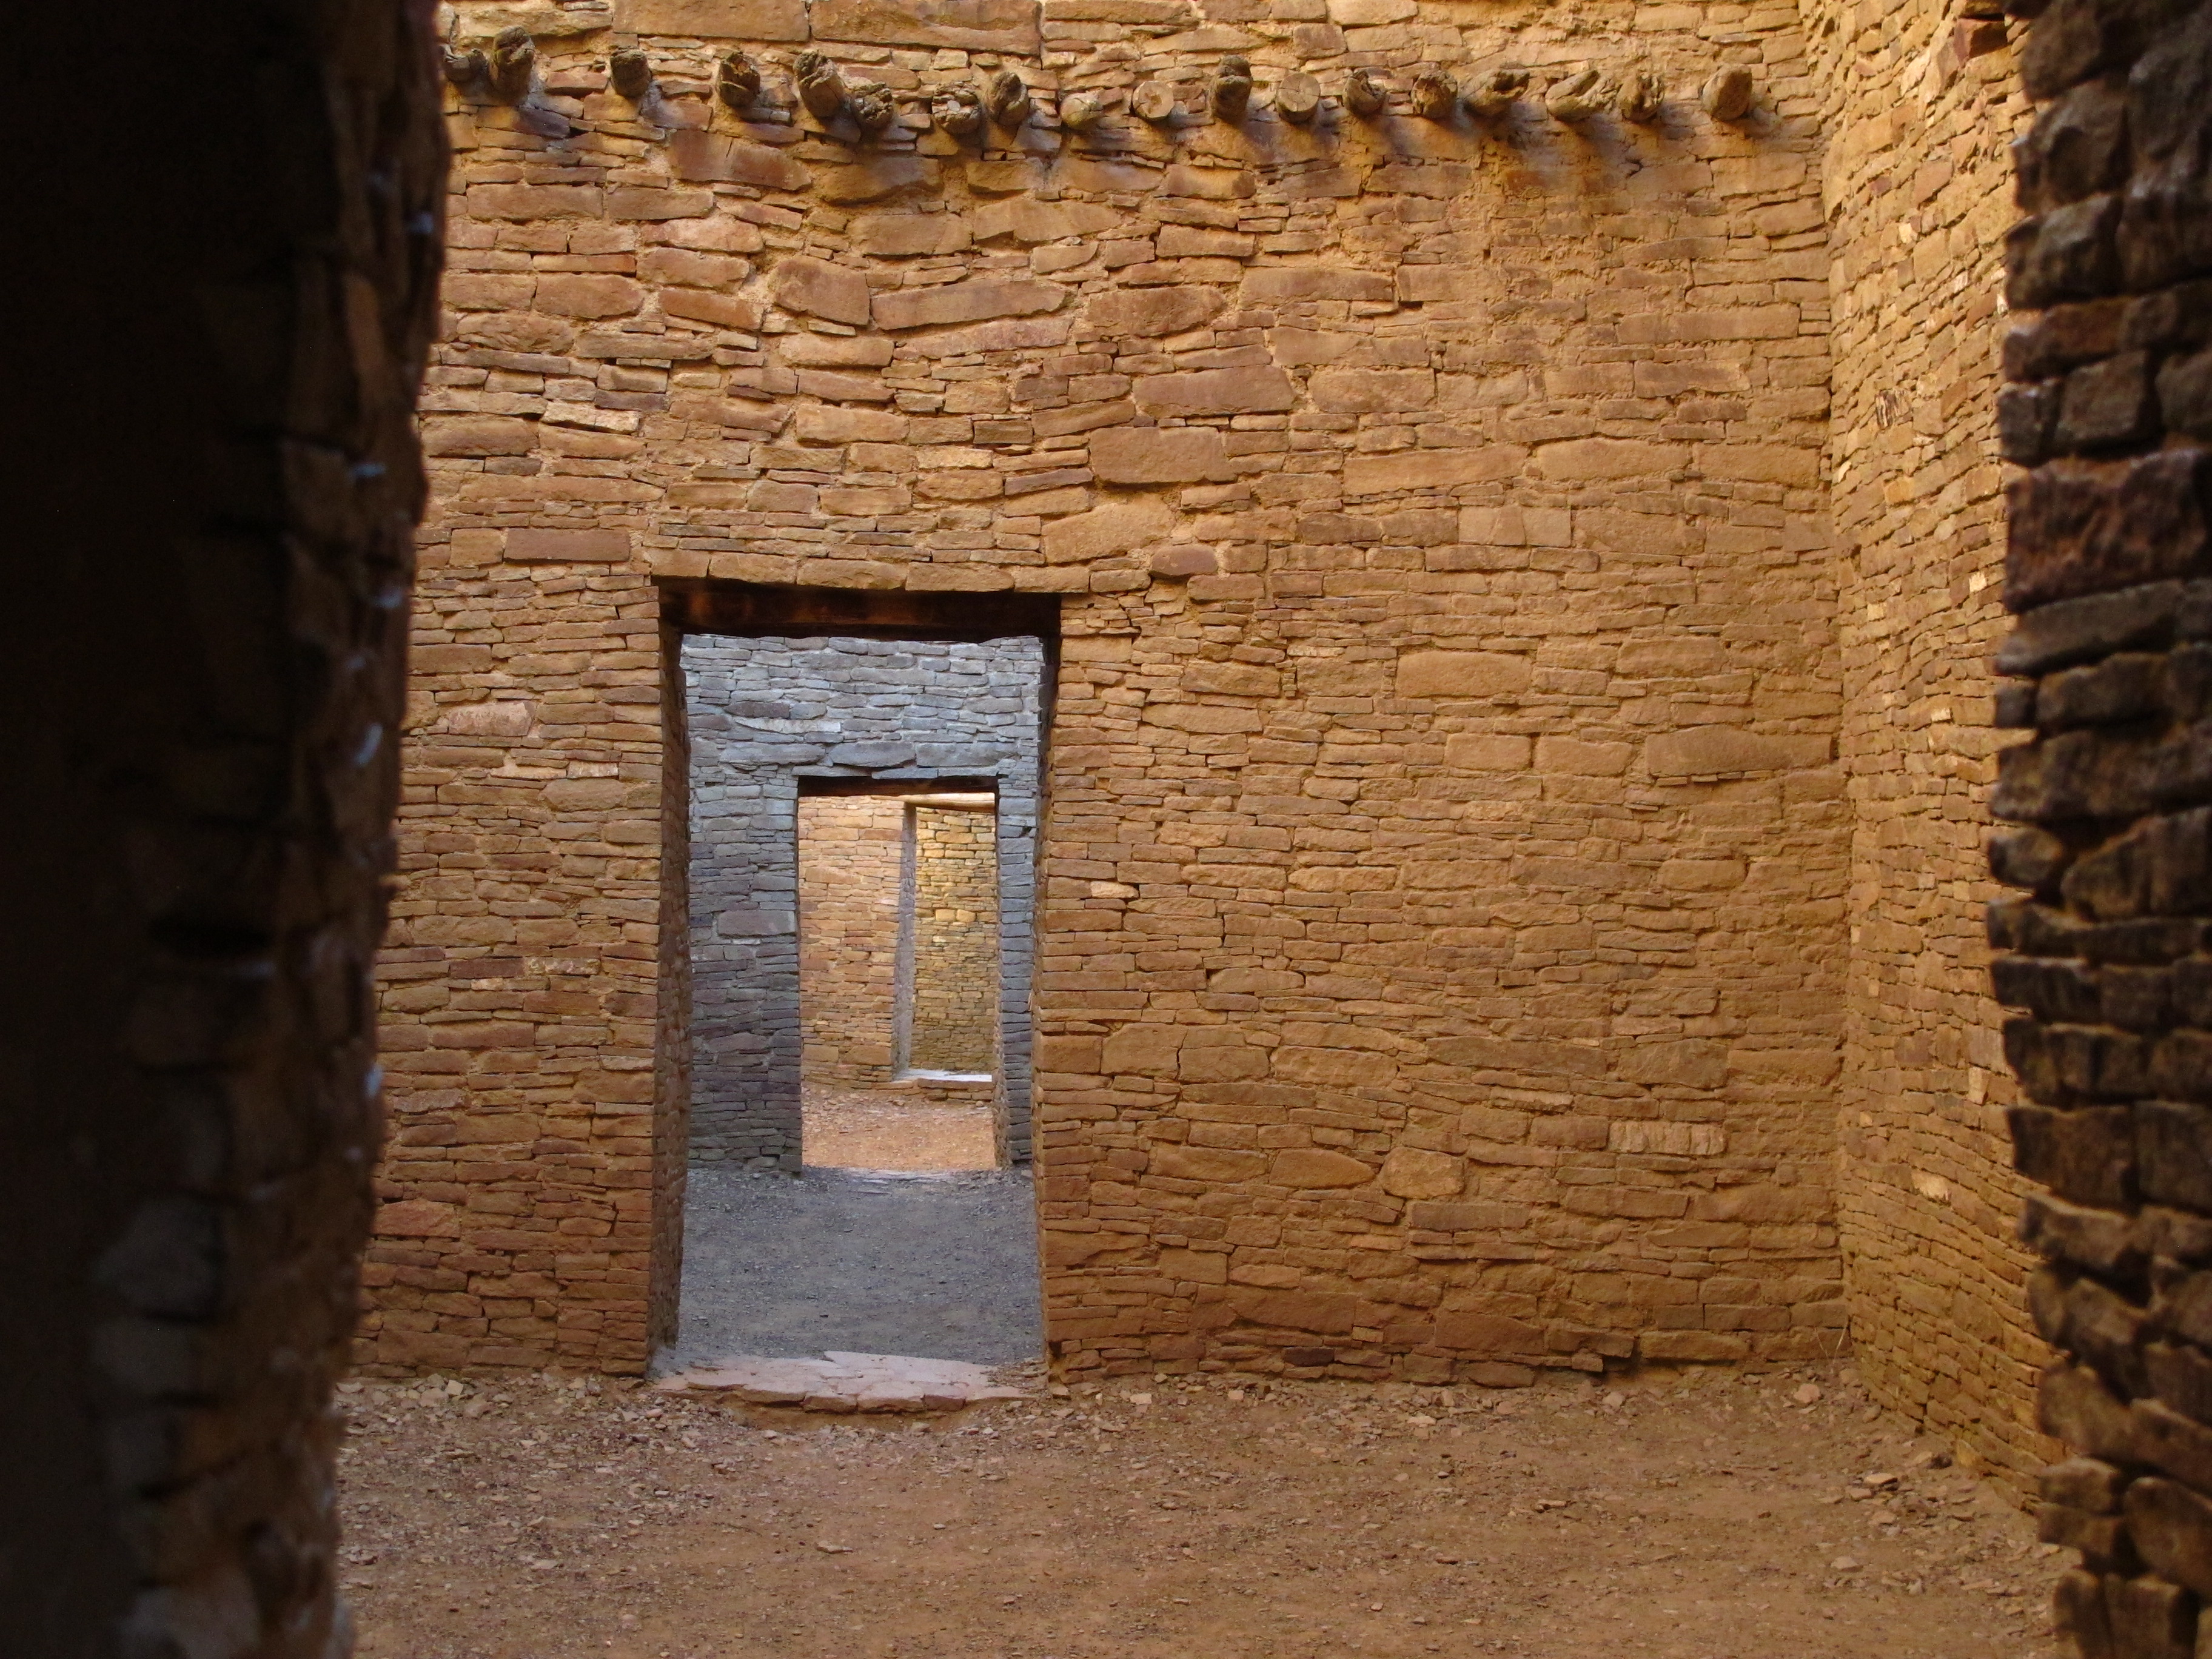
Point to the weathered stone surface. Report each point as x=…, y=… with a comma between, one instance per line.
x=1116, y=526
x=841, y=1382
x=1003, y=26
x=873, y=179
x=1216, y=391
x=1462, y=674
x=1314, y=1168
x=702, y=157
x=484, y=434
x=901, y=235
x=567, y=546
x=1152, y=311
x=1318, y=282
x=715, y=19
x=1158, y=455
x=1715, y=751
x=818, y=288
x=1413, y=1172
x=2089, y=528
x=966, y=302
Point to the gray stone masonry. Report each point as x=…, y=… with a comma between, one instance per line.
x=764, y=714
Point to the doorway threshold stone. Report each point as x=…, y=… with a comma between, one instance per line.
x=844, y=1382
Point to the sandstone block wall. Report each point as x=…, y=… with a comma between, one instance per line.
x=852, y=874
x=1922, y=103
x=1440, y=954
x=762, y=715
x=2102, y=942
x=952, y=988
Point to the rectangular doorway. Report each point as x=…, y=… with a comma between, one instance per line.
x=899, y=976
x=863, y=824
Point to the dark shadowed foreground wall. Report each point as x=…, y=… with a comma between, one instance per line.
x=226, y=260
x=2109, y=665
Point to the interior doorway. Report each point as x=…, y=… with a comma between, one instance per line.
x=898, y=975
x=863, y=828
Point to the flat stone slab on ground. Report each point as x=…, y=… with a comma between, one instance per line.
x=844, y=1382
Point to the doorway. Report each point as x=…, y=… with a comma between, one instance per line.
x=863, y=814
x=898, y=975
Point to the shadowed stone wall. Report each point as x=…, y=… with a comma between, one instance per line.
x=2107, y=671
x=211, y=551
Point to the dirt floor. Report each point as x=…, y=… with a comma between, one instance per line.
x=1704, y=1516
x=893, y=1129
x=943, y=1265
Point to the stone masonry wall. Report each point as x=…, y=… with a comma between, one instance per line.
x=852, y=860
x=2103, y=943
x=204, y=669
x=1922, y=102
x=1440, y=966
x=951, y=1025
x=765, y=713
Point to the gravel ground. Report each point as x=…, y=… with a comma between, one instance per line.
x=1704, y=1516
x=944, y=1266
x=893, y=1129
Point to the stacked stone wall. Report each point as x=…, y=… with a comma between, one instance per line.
x=852, y=860
x=1440, y=966
x=2102, y=942
x=953, y=1002
x=1921, y=104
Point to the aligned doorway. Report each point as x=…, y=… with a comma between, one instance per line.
x=863, y=810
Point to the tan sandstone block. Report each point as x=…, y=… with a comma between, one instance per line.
x=1154, y=455
x=820, y=290
x=1710, y=750
x=1142, y=1048
x=1462, y=674
x=715, y=19
x=1469, y=1331
x=1310, y=1167
x=478, y=434
x=1116, y=526
x=820, y=423
x=528, y=546
x=976, y=301
x=1195, y=1266
x=1246, y=391
x=1206, y=1164
x=1482, y=752
x=1414, y=1172
x=1586, y=458
x=1367, y=391
x=999, y=25
x=1147, y=312
x=898, y=235
x=576, y=293
x=1431, y=469
x=1575, y=757
x=701, y=157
